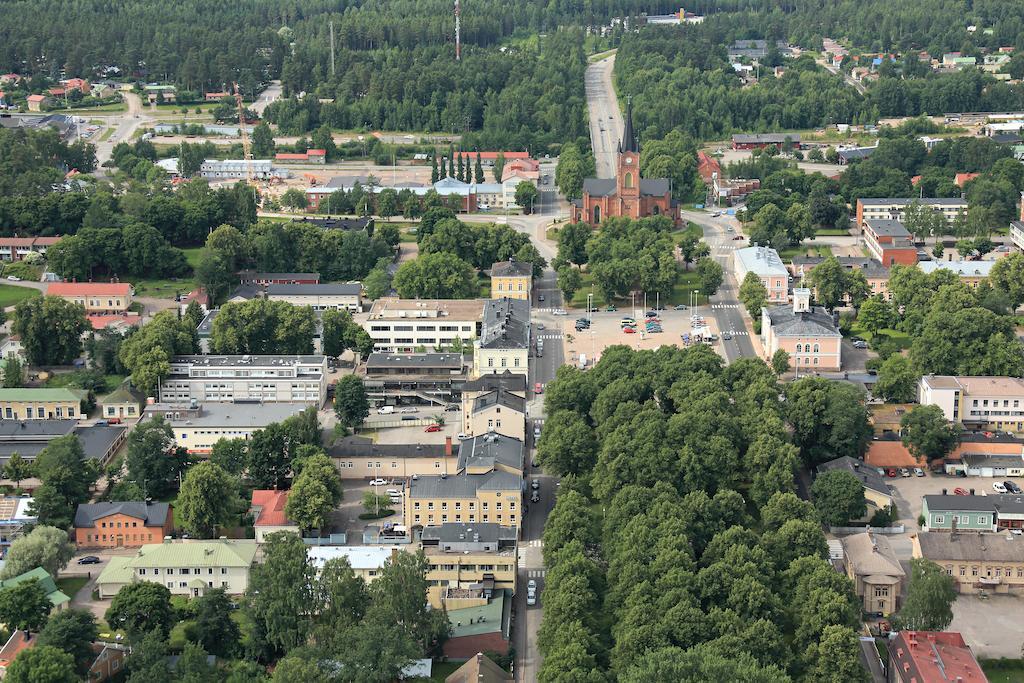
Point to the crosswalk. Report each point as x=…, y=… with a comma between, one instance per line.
x=536, y=543
x=549, y=336
x=536, y=573
x=724, y=306
x=738, y=333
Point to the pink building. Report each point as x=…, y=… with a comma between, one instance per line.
x=807, y=333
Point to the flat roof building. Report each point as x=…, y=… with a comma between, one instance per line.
x=769, y=268
x=198, y=428
x=403, y=325
x=993, y=403
x=228, y=378
x=338, y=296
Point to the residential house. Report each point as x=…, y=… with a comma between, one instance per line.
x=888, y=242
x=95, y=297
x=38, y=102
x=876, y=490
x=512, y=279
x=958, y=513
x=432, y=378
x=927, y=656
x=366, y=561
x=17, y=248
x=468, y=562
x=122, y=524
x=58, y=600
x=483, y=627
x=252, y=277
x=200, y=296
x=337, y=296
x=156, y=93
x=876, y=274
x=403, y=325
x=265, y=378
x=186, y=567
x=215, y=96
x=41, y=404
x=15, y=645
x=525, y=169
x=198, y=427
x=499, y=411
x=109, y=661
x=762, y=140
x=358, y=457
x=809, y=334
x=479, y=669
x=708, y=167
x=980, y=403
x=123, y=403
x=765, y=263
x=848, y=155
x=971, y=273
x=15, y=515
x=893, y=208
x=875, y=570
x=976, y=561
x=505, y=338
x=267, y=509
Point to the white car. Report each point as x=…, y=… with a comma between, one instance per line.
x=462, y=435
x=14, y=278
x=998, y=487
x=409, y=410
x=560, y=311
x=378, y=482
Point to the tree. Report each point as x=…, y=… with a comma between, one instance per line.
x=835, y=658
x=215, y=630
x=193, y=665
x=280, y=592
x=315, y=493
x=230, y=455
x=350, y=401
x=437, y=276
x=572, y=242
x=1008, y=275
x=753, y=294
x=262, y=141
x=769, y=227
x=839, y=497
x=930, y=598
x=375, y=503
x=378, y=282
x=897, y=380
x=569, y=281
x=153, y=460
x=149, y=658
x=67, y=479
x=45, y=546
x=828, y=419
x=567, y=444
x=14, y=372
x=387, y=203
x=42, y=664
x=17, y=469
x=24, y=606
x=928, y=434
x=51, y=329
x=208, y=499
x=73, y=631
x=780, y=362
x=875, y=314
x=478, y=171
x=140, y=608
x=434, y=175
x=526, y=194
x=499, y=167
x=829, y=281
x=294, y=198
x=710, y=275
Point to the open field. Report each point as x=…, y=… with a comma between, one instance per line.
x=11, y=295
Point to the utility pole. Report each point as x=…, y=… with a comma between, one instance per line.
x=332, y=48
x=458, y=33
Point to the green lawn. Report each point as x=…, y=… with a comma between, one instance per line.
x=113, y=107
x=1003, y=670
x=601, y=55
x=691, y=230
x=485, y=285
x=407, y=237
x=69, y=585
x=552, y=234
x=901, y=339
x=166, y=288
x=680, y=293
x=832, y=232
x=192, y=255
x=442, y=670
x=64, y=379
x=10, y=295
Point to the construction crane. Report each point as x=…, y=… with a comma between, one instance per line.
x=250, y=174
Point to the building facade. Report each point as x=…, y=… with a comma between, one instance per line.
x=187, y=568
x=41, y=404
x=807, y=333
x=403, y=325
x=888, y=242
x=986, y=403
x=505, y=338
x=341, y=296
x=499, y=411
x=893, y=209
x=971, y=273
x=765, y=263
x=197, y=428
x=102, y=298
x=17, y=248
x=270, y=379
x=875, y=571
x=122, y=524
x=267, y=509
x=358, y=457
x=958, y=513
x=976, y=561
x=418, y=378
x=512, y=279
x=468, y=557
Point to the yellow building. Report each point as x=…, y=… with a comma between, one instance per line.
x=466, y=563
x=98, y=298
x=471, y=498
x=499, y=411
x=511, y=279
x=41, y=404
x=990, y=562
x=876, y=573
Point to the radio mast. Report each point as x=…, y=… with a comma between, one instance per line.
x=458, y=34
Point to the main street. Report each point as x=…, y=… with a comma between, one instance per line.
x=605, y=116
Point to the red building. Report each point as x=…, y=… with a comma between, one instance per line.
x=708, y=167
x=926, y=656
x=627, y=194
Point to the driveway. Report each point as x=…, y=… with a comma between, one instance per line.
x=83, y=598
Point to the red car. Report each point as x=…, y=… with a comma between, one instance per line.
x=959, y=492
x=433, y=428
x=538, y=388
x=891, y=472
x=628, y=330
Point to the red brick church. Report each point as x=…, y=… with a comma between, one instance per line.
x=627, y=194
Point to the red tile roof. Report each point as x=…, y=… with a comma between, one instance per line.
x=36, y=98
x=271, y=504
x=960, y=179
x=18, y=641
x=88, y=289
x=101, y=322
x=934, y=657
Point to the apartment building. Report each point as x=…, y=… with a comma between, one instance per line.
x=252, y=277
x=888, y=242
x=504, y=342
x=346, y=296
x=876, y=274
x=15, y=514
x=987, y=403
x=366, y=561
x=1017, y=234
x=926, y=656
x=893, y=209
x=976, y=561
x=767, y=265
x=468, y=560
x=499, y=411
x=403, y=325
x=17, y=248
x=485, y=384
x=971, y=273
x=491, y=497
x=187, y=568
x=266, y=378
x=358, y=457
x=198, y=427
x=122, y=524
x=41, y=404
x=98, y=298
x=512, y=279
x=431, y=378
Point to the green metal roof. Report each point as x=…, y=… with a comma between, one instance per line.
x=118, y=570
x=46, y=581
x=41, y=395
x=227, y=553
x=491, y=612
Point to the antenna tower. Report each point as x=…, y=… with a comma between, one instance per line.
x=332, y=48
x=250, y=176
x=458, y=33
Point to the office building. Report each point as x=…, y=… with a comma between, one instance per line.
x=197, y=428
x=266, y=378
x=504, y=342
x=409, y=325
x=981, y=403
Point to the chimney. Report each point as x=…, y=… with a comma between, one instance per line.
x=448, y=446
x=801, y=300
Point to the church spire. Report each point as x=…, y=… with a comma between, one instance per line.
x=628, y=143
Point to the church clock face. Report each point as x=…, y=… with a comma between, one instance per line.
x=629, y=160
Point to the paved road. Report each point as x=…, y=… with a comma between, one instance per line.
x=605, y=117
x=124, y=126
x=526, y=619
x=272, y=93
x=859, y=87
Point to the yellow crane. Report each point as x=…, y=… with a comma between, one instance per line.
x=250, y=175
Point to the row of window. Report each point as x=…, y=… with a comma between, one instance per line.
x=469, y=567
x=458, y=518
x=111, y=525
x=420, y=328
x=519, y=288
x=806, y=348
x=504, y=362
x=805, y=361
x=39, y=413
x=184, y=571
x=995, y=403
x=471, y=505
x=137, y=538
x=1008, y=572
x=184, y=584
x=962, y=519
x=394, y=464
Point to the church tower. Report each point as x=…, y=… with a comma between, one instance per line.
x=628, y=171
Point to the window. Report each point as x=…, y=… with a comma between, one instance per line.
x=184, y=571
x=974, y=571
x=799, y=348
x=182, y=584
x=816, y=348
x=142, y=571
x=170, y=571
x=940, y=519
x=881, y=591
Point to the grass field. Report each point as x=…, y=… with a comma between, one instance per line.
x=832, y=232
x=165, y=288
x=64, y=379
x=789, y=252
x=691, y=230
x=10, y=295
x=1003, y=670
x=901, y=339
x=600, y=55
x=686, y=284
x=112, y=108
x=69, y=585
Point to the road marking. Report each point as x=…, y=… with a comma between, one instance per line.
x=549, y=336
x=537, y=543
x=741, y=333
x=536, y=573
x=724, y=306
x=522, y=558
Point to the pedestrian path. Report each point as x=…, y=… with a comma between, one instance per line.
x=724, y=306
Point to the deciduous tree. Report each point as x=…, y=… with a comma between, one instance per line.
x=927, y=433
x=208, y=499
x=140, y=608
x=930, y=598
x=753, y=294
x=350, y=401
x=216, y=631
x=42, y=664
x=51, y=329
x=25, y=606
x=72, y=630
x=44, y=546
x=839, y=497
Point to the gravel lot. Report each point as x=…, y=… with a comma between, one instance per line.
x=991, y=626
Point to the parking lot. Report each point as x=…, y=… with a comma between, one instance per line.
x=605, y=331
x=908, y=491
x=991, y=625
x=346, y=516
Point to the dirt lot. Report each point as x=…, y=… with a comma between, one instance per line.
x=605, y=331
x=991, y=626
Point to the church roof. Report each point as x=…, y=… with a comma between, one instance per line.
x=606, y=187
x=655, y=187
x=629, y=143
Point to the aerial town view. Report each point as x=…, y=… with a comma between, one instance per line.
x=471, y=341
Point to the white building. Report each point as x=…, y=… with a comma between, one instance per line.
x=1017, y=234
x=186, y=568
x=366, y=560
x=286, y=379
x=339, y=296
x=768, y=266
x=238, y=169
x=402, y=325
x=504, y=342
x=198, y=428
x=991, y=403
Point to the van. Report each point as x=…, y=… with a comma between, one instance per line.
x=385, y=410
x=396, y=500
x=583, y=361
x=394, y=493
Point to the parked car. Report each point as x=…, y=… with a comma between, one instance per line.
x=679, y=307
x=999, y=487
x=626, y=321
x=918, y=472
x=628, y=330
x=536, y=432
x=452, y=408
x=1011, y=487
x=610, y=307
x=461, y=435
x=385, y=410
x=738, y=237
x=409, y=417
x=716, y=214
x=378, y=482
x=535, y=484
x=540, y=326
x=651, y=314
x=904, y=472
x=409, y=409
x=860, y=345
x=14, y=278
x=89, y=559
x=534, y=463
x=433, y=428
x=538, y=388
x=959, y=491
x=891, y=472
x=559, y=311
x=534, y=497
x=540, y=297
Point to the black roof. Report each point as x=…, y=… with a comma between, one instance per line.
x=506, y=324
x=629, y=143
x=356, y=446
x=336, y=223
x=153, y=514
x=507, y=380
x=868, y=476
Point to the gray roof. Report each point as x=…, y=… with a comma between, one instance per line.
x=512, y=268
x=246, y=292
x=501, y=397
x=205, y=328
x=762, y=261
x=993, y=460
x=359, y=446
x=32, y=430
x=971, y=547
x=255, y=275
x=868, y=476
x=452, y=361
x=464, y=485
x=856, y=153
x=766, y=138
x=605, y=187
x=887, y=227
x=452, y=532
x=95, y=440
x=241, y=414
x=930, y=201
x=257, y=360
x=153, y=514
x=814, y=323
x=507, y=380
x=869, y=266
x=506, y=324
x=331, y=289
x=940, y=503
x=490, y=449
x=654, y=187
